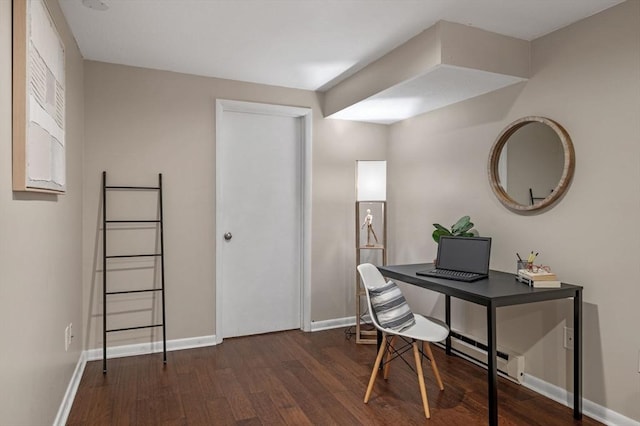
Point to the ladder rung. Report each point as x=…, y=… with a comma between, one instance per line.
x=133, y=255
x=142, y=188
x=134, y=291
x=134, y=221
x=134, y=328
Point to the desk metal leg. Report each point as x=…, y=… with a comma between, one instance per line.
x=492, y=368
x=447, y=320
x=577, y=355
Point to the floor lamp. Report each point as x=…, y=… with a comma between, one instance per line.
x=371, y=233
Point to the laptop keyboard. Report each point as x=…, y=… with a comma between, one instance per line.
x=454, y=274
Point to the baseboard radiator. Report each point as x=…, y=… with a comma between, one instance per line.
x=510, y=364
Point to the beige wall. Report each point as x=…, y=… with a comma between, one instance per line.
x=586, y=77
x=40, y=258
x=140, y=122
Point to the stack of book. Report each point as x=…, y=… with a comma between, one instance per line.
x=540, y=279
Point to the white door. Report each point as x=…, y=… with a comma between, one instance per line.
x=260, y=212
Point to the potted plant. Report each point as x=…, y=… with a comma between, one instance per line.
x=462, y=228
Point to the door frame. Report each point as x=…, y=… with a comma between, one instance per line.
x=305, y=115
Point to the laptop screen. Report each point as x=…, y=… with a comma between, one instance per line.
x=466, y=254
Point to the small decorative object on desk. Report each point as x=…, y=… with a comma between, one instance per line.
x=523, y=264
x=538, y=276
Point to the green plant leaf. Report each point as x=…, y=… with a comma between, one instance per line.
x=467, y=234
x=466, y=227
x=437, y=233
x=440, y=227
x=461, y=223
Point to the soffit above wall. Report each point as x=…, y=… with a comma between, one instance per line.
x=443, y=85
x=445, y=64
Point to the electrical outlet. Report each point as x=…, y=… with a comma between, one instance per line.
x=568, y=338
x=66, y=338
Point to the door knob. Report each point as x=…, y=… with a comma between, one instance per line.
x=228, y=236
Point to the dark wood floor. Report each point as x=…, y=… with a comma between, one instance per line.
x=295, y=378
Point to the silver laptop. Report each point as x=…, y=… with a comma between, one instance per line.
x=461, y=259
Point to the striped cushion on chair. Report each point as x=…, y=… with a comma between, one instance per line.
x=390, y=307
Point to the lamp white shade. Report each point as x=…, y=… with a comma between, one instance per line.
x=371, y=180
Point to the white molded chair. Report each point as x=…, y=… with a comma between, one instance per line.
x=425, y=330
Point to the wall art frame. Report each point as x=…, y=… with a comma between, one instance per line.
x=39, y=154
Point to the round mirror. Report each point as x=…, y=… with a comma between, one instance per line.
x=531, y=164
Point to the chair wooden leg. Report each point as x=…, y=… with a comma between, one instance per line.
x=376, y=366
x=427, y=348
x=387, y=361
x=423, y=390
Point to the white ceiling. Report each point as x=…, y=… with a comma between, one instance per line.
x=306, y=44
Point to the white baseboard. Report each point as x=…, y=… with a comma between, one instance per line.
x=589, y=408
x=70, y=394
x=152, y=347
x=332, y=323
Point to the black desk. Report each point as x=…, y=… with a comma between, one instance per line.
x=500, y=289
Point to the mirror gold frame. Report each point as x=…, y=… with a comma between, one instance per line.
x=563, y=183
